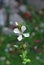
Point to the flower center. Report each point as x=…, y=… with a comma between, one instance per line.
x=21, y=32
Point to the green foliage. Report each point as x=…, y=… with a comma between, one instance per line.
x=25, y=52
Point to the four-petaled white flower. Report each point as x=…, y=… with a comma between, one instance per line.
x=21, y=33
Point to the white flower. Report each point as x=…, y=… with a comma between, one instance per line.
x=21, y=32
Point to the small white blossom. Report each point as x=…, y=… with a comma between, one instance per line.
x=21, y=32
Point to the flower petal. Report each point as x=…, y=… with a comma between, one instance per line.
x=16, y=30
x=19, y=38
x=23, y=28
x=26, y=34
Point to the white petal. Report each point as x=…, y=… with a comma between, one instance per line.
x=23, y=28
x=26, y=34
x=16, y=30
x=16, y=23
x=19, y=38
